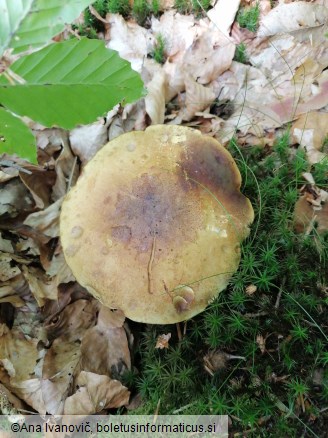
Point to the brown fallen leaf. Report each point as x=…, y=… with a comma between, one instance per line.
x=251, y=289
x=163, y=341
x=39, y=182
x=16, y=369
x=306, y=218
x=260, y=340
x=41, y=286
x=46, y=221
x=198, y=97
x=310, y=131
x=95, y=393
x=104, y=347
x=59, y=369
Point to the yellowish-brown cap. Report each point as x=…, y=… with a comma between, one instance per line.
x=154, y=224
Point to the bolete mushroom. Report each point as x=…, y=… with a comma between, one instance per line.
x=154, y=224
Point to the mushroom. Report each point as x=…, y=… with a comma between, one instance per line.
x=154, y=224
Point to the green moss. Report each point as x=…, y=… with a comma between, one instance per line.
x=249, y=17
x=200, y=6
x=183, y=6
x=119, y=7
x=159, y=49
x=141, y=10
x=155, y=7
x=240, y=53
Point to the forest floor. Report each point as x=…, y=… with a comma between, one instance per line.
x=254, y=76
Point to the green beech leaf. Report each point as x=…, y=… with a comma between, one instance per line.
x=15, y=137
x=70, y=83
x=28, y=24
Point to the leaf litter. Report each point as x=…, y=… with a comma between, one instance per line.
x=61, y=351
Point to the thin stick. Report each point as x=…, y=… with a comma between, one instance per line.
x=179, y=331
x=150, y=265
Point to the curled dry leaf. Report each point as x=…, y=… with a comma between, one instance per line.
x=251, y=289
x=8, y=173
x=311, y=211
x=95, y=393
x=260, y=340
x=217, y=360
x=163, y=341
x=155, y=99
x=66, y=167
x=14, y=300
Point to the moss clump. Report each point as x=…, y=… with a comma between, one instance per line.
x=249, y=17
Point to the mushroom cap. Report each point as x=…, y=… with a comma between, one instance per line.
x=154, y=224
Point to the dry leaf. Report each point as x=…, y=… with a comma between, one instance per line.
x=60, y=365
x=155, y=99
x=17, y=369
x=163, y=341
x=310, y=131
x=14, y=300
x=178, y=31
x=95, y=393
x=47, y=220
x=307, y=216
x=15, y=198
x=251, y=289
x=223, y=14
x=105, y=348
x=41, y=287
x=7, y=271
x=208, y=57
x=39, y=182
x=198, y=97
x=87, y=140
x=130, y=40
x=290, y=17
x=260, y=340
x=72, y=322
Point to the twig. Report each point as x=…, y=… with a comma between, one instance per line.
x=71, y=175
x=179, y=331
x=255, y=315
x=150, y=265
x=280, y=293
